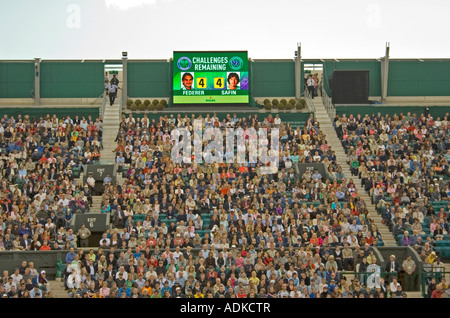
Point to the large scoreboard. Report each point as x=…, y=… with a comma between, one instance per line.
x=210, y=77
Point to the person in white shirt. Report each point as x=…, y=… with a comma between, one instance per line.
x=17, y=277
x=123, y=272
x=310, y=82
x=277, y=120
x=91, y=183
x=393, y=285
x=73, y=280
x=106, y=239
x=151, y=272
x=112, y=92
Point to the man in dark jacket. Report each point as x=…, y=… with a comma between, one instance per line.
x=392, y=268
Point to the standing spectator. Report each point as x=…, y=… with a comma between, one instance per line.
x=84, y=234
x=91, y=183
x=106, y=81
x=316, y=84
x=392, y=268
x=409, y=266
x=114, y=80
x=310, y=82
x=112, y=92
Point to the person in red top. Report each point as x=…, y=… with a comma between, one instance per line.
x=243, y=169
x=369, y=238
x=43, y=159
x=396, y=199
x=437, y=293
x=151, y=242
x=225, y=189
x=241, y=293
x=267, y=259
x=153, y=261
x=314, y=240
x=45, y=246
x=91, y=127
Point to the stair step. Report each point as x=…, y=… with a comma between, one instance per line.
x=327, y=128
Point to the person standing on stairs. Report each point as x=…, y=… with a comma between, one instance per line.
x=310, y=82
x=114, y=80
x=112, y=91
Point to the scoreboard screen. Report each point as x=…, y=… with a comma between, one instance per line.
x=210, y=77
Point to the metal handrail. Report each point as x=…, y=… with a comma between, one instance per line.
x=100, y=96
x=309, y=100
x=328, y=104
x=426, y=276
x=120, y=105
x=102, y=108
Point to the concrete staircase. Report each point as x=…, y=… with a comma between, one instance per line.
x=96, y=204
x=57, y=288
x=111, y=121
x=326, y=126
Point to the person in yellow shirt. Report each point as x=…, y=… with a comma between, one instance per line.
x=199, y=294
x=254, y=278
x=443, y=284
x=432, y=257
x=97, y=294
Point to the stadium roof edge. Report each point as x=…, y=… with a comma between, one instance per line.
x=109, y=61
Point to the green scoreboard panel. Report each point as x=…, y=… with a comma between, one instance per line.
x=210, y=77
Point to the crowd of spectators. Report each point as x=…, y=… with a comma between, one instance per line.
x=235, y=194
x=403, y=163
x=38, y=194
x=259, y=235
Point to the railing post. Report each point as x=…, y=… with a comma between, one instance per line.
x=37, y=80
x=385, y=75
x=298, y=71
x=124, y=80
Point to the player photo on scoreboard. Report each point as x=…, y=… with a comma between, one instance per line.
x=187, y=81
x=233, y=80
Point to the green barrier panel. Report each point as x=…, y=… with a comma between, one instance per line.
x=71, y=79
x=17, y=80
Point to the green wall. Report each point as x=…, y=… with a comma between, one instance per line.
x=416, y=78
x=269, y=78
x=272, y=78
x=149, y=79
x=16, y=79
x=71, y=79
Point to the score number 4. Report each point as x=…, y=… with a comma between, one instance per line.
x=202, y=83
x=219, y=82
